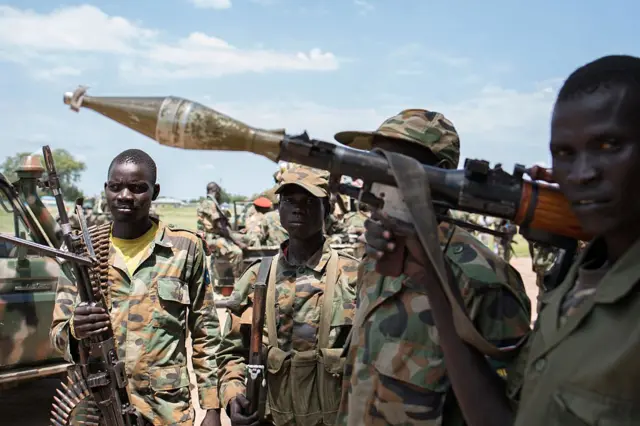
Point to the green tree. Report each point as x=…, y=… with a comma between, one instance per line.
x=225, y=197
x=68, y=167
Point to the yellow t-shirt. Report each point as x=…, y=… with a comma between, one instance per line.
x=132, y=251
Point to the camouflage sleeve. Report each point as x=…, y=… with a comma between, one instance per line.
x=65, y=302
x=205, y=331
x=234, y=348
x=502, y=315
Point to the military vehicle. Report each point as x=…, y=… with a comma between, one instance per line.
x=28, y=281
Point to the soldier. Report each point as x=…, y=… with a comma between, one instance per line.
x=306, y=337
x=156, y=289
x=503, y=245
x=214, y=223
x=253, y=234
x=543, y=258
x=395, y=372
x=273, y=234
x=582, y=363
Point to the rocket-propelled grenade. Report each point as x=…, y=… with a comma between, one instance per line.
x=181, y=123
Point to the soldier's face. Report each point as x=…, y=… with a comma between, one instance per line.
x=129, y=192
x=595, y=146
x=301, y=213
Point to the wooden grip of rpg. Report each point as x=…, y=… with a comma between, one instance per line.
x=543, y=207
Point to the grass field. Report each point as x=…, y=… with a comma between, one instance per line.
x=185, y=217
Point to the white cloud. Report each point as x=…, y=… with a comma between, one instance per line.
x=211, y=4
x=200, y=55
x=82, y=28
x=364, y=6
x=71, y=40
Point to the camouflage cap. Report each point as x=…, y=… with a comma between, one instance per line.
x=427, y=128
x=313, y=180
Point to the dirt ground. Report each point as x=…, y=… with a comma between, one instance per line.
x=29, y=404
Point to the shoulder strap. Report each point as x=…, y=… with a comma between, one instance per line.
x=410, y=177
x=272, y=331
x=327, y=300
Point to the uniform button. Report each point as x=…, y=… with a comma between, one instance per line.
x=301, y=269
x=540, y=365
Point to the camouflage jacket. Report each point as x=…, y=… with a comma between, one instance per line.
x=150, y=312
x=253, y=234
x=333, y=225
x=208, y=216
x=395, y=372
x=354, y=222
x=273, y=234
x=299, y=295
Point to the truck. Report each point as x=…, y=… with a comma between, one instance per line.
x=28, y=281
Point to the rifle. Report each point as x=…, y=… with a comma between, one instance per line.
x=540, y=209
x=256, y=376
x=101, y=370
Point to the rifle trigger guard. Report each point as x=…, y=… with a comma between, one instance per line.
x=255, y=370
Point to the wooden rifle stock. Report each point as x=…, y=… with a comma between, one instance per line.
x=543, y=207
x=256, y=375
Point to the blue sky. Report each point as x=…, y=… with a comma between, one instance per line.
x=491, y=67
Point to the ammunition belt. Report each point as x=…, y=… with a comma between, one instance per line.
x=101, y=246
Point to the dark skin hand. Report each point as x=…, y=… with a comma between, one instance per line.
x=467, y=368
x=595, y=148
x=89, y=321
x=129, y=192
x=212, y=418
x=237, y=407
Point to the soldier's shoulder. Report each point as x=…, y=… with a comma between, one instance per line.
x=475, y=260
x=182, y=236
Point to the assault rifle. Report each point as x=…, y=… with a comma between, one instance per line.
x=103, y=373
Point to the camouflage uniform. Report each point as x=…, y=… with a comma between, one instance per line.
x=150, y=313
x=273, y=232
x=299, y=294
x=354, y=222
x=253, y=230
x=395, y=372
x=221, y=247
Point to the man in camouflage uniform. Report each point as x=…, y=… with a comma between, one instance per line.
x=214, y=223
x=253, y=231
x=306, y=325
x=543, y=258
x=395, y=372
x=155, y=289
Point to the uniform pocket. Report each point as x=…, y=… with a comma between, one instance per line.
x=577, y=407
x=173, y=299
x=330, y=371
x=407, y=384
x=306, y=401
x=278, y=386
x=170, y=393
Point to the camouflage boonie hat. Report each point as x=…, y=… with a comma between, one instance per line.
x=313, y=180
x=430, y=129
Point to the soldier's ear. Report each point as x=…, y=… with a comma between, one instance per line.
x=156, y=191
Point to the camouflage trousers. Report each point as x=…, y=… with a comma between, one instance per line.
x=224, y=254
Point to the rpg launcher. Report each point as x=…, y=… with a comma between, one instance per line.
x=103, y=374
x=539, y=209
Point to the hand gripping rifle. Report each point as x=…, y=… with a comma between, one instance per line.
x=103, y=373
